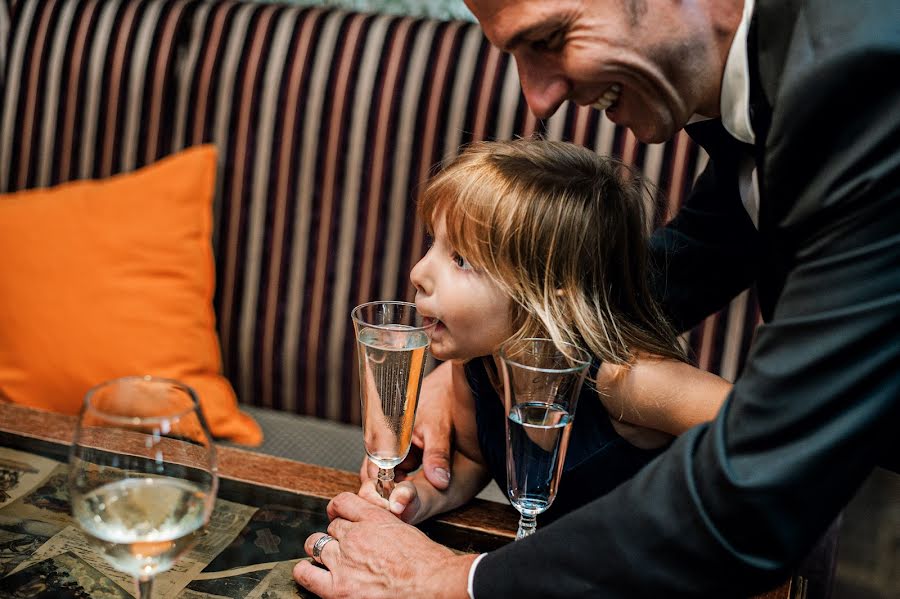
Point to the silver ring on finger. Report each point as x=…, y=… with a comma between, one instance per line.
x=320, y=544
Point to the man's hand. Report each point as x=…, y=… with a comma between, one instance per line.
x=432, y=434
x=376, y=555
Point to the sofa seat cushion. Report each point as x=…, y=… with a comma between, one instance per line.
x=310, y=440
x=109, y=278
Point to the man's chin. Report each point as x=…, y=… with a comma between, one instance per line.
x=653, y=134
x=649, y=128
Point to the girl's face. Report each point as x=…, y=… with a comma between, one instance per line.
x=472, y=311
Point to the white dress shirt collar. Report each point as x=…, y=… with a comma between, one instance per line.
x=735, y=99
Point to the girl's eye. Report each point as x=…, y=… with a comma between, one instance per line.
x=461, y=262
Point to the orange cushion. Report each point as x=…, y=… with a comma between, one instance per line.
x=101, y=279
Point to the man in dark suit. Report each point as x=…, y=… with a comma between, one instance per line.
x=798, y=105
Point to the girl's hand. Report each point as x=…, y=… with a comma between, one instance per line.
x=404, y=502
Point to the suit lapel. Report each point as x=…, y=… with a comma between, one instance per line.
x=771, y=275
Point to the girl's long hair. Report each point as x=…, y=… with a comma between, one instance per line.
x=565, y=233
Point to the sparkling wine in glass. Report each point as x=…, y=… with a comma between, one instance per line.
x=541, y=384
x=392, y=340
x=142, y=474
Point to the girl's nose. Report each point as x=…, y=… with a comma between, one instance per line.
x=419, y=275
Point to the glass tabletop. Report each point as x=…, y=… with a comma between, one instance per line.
x=265, y=509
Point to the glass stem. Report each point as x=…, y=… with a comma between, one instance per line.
x=527, y=525
x=145, y=586
x=385, y=483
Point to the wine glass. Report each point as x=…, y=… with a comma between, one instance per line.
x=391, y=341
x=142, y=474
x=541, y=384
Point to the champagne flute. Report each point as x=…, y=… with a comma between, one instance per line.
x=142, y=474
x=541, y=384
x=391, y=341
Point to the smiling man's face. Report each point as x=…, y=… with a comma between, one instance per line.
x=651, y=64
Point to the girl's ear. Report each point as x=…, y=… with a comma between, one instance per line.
x=560, y=292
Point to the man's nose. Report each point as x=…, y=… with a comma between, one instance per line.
x=544, y=89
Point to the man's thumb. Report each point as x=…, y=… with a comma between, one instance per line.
x=436, y=463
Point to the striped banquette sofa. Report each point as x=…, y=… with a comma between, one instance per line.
x=326, y=123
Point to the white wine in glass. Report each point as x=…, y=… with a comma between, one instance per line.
x=142, y=474
x=392, y=342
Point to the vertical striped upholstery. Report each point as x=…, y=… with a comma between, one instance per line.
x=327, y=124
x=89, y=88
x=4, y=42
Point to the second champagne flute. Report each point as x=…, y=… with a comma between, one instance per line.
x=392, y=339
x=541, y=384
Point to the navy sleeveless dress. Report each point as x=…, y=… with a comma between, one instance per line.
x=597, y=459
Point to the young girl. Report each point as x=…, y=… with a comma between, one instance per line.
x=545, y=239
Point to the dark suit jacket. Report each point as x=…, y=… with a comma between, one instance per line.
x=733, y=505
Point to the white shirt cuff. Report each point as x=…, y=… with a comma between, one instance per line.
x=470, y=587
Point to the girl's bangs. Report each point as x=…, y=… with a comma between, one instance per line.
x=467, y=216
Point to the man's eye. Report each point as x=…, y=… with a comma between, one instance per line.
x=551, y=43
x=461, y=262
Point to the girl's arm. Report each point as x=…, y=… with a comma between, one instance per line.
x=416, y=499
x=654, y=399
